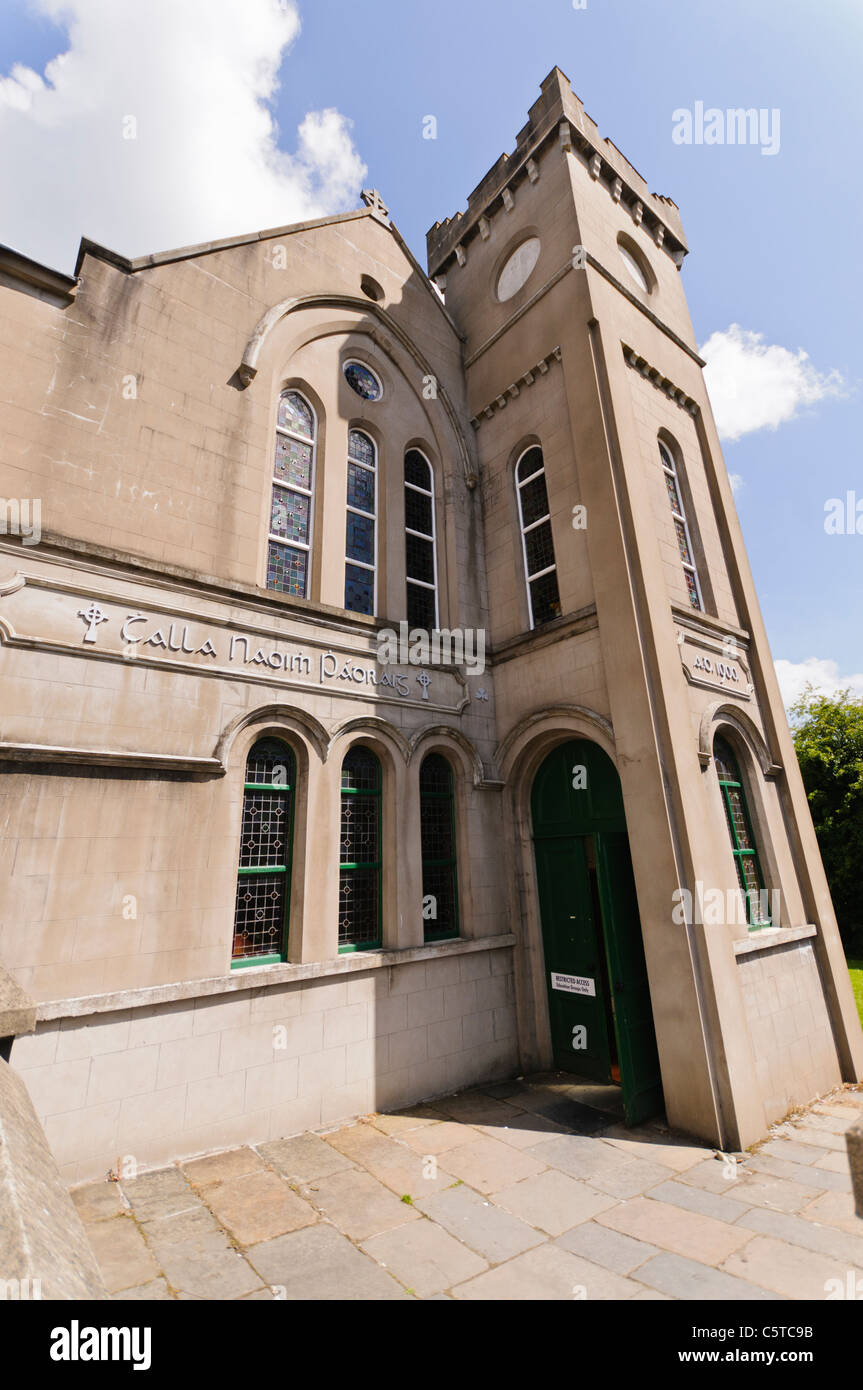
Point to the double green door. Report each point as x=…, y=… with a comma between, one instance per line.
x=598, y=993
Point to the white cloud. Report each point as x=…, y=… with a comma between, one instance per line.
x=756, y=386
x=199, y=78
x=736, y=482
x=794, y=676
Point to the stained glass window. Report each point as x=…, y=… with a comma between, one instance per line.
x=264, y=879
x=743, y=845
x=420, y=548
x=360, y=852
x=361, y=531
x=681, y=527
x=363, y=381
x=537, y=543
x=437, y=831
x=289, y=550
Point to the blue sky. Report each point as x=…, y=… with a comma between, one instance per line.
x=774, y=240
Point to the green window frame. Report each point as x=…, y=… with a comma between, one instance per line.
x=360, y=853
x=438, y=838
x=743, y=845
x=263, y=902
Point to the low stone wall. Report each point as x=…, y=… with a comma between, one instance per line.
x=795, y=1058
x=44, y=1252
x=141, y=1086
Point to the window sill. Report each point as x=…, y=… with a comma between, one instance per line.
x=768, y=938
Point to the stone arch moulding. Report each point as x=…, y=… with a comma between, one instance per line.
x=287, y=717
x=248, y=368
x=576, y=721
x=373, y=724
x=443, y=731
x=721, y=712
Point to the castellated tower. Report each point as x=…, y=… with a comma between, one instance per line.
x=628, y=644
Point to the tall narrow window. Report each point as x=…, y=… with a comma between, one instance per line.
x=291, y=513
x=264, y=886
x=420, y=557
x=361, y=545
x=437, y=827
x=740, y=829
x=537, y=543
x=681, y=526
x=360, y=854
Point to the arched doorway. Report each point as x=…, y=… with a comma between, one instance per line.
x=598, y=993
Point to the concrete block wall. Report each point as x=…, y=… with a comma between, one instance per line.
x=789, y=1026
x=174, y=1079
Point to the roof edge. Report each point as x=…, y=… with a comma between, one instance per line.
x=131, y=265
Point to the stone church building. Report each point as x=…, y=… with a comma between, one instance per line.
x=260, y=879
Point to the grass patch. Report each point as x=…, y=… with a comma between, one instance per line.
x=855, y=969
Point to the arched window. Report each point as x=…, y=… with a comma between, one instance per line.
x=420, y=556
x=437, y=828
x=264, y=886
x=361, y=545
x=538, y=547
x=681, y=526
x=360, y=852
x=743, y=845
x=291, y=514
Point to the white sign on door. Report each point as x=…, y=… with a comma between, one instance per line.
x=573, y=984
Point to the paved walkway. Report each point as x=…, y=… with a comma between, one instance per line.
x=512, y=1191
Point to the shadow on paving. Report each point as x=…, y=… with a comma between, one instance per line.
x=527, y=1189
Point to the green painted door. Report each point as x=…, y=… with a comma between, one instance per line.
x=581, y=1031
x=599, y=999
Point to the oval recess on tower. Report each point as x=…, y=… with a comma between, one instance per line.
x=518, y=268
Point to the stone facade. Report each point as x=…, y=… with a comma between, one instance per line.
x=143, y=657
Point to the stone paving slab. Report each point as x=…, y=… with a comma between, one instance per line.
x=515, y=1191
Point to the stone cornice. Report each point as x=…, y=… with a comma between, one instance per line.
x=515, y=388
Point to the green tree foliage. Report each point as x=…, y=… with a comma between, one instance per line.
x=828, y=736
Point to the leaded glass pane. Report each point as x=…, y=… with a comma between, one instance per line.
x=293, y=461
x=748, y=871
x=673, y=496
x=286, y=570
x=418, y=511
x=421, y=608
x=417, y=470
x=361, y=771
x=530, y=464
x=290, y=515
x=360, y=538
x=738, y=817
x=726, y=763
x=359, y=590
x=545, y=599
x=361, y=488
x=359, y=916
x=295, y=414
x=534, y=501
x=361, y=380
x=359, y=829
x=539, y=548
x=264, y=838
x=435, y=776
x=436, y=828
x=271, y=763
x=259, y=916
x=692, y=589
x=361, y=448
x=439, y=885
x=682, y=542
x=419, y=559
